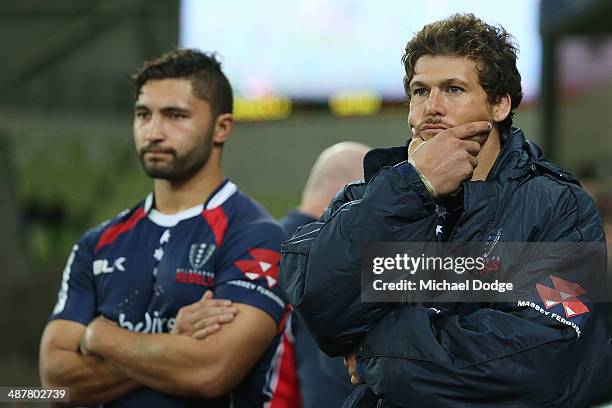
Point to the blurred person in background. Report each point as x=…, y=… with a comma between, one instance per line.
x=466, y=176
x=336, y=166
x=131, y=323
x=322, y=381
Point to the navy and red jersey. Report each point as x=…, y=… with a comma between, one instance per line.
x=141, y=267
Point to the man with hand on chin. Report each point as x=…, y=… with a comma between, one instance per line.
x=133, y=325
x=467, y=176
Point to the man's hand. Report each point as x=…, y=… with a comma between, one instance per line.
x=93, y=329
x=449, y=158
x=350, y=362
x=204, y=317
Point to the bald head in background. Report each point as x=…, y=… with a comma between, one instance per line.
x=335, y=167
x=322, y=380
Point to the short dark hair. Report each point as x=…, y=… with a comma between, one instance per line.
x=202, y=69
x=465, y=35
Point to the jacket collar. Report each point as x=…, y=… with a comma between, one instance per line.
x=521, y=158
x=380, y=157
x=515, y=160
x=513, y=157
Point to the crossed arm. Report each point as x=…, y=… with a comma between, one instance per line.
x=90, y=379
x=115, y=361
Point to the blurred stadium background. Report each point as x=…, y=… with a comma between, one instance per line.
x=306, y=75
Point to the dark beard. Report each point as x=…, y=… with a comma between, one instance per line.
x=180, y=168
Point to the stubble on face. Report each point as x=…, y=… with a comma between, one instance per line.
x=179, y=167
x=173, y=130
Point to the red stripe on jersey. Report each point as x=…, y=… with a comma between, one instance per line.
x=283, y=320
x=217, y=220
x=111, y=233
x=286, y=394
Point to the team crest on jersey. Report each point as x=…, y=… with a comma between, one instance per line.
x=263, y=265
x=199, y=255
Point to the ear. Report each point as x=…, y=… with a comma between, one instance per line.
x=223, y=127
x=501, y=109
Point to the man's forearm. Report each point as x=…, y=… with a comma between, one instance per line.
x=90, y=379
x=164, y=362
x=182, y=365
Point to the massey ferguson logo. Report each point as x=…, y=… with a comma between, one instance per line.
x=199, y=254
x=263, y=265
x=565, y=293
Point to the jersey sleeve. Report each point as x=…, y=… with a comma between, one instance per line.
x=76, y=297
x=249, y=268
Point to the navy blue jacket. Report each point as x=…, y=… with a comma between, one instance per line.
x=459, y=355
x=323, y=381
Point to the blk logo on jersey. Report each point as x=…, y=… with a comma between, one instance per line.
x=565, y=293
x=263, y=265
x=101, y=266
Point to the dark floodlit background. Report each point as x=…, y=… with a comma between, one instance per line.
x=306, y=75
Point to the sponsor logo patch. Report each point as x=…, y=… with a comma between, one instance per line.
x=565, y=293
x=263, y=265
x=152, y=323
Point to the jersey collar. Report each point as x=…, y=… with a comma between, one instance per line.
x=225, y=190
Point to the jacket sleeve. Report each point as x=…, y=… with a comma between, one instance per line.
x=321, y=264
x=504, y=355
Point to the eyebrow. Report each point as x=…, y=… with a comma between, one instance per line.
x=175, y=109
x=446, y=82
x=166, y=109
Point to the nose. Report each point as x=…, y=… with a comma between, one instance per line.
x=154, y=131
x=435, y=103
